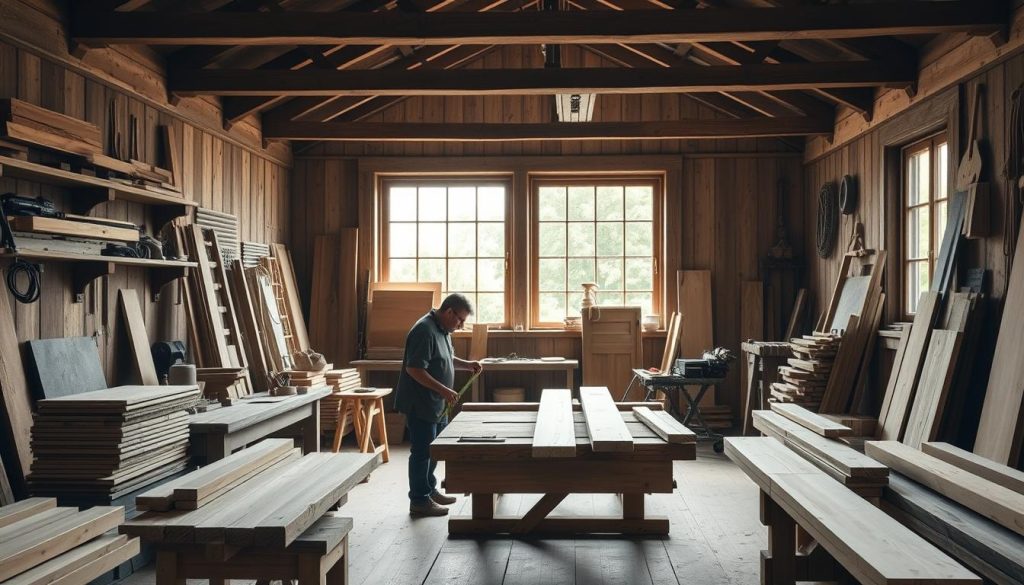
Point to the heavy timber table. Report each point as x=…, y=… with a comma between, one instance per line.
x=485, y=469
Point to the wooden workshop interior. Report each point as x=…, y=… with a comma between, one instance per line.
x=747, y=279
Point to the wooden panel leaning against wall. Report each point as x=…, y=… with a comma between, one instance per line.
x=216, y=173
x=863, y=158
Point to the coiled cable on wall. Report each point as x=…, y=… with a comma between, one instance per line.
x=31, y=272
x=828, y=219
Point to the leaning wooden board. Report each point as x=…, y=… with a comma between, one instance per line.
x=17, y=403
x=1001, y=428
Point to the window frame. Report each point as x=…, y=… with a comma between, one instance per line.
x=386, y=181
x=658, y=183
x=931, y=144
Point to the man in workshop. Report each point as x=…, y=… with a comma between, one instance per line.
x=424, y=393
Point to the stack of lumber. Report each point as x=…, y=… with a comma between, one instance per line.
x=264, y=500
x=994, y=498
x=860, y=473
x=43, y=544
x=805, y=378
x=343, y=380
x=103, y=444
x=308, y=379
x=29, y=124
x=214, y=329
x=194, y=490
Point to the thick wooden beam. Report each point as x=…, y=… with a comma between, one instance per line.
x=439, y=132
x=643, y=26
x=693, y=78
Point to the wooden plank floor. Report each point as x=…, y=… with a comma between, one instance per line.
x=715, y=540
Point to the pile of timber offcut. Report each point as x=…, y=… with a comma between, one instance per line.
x=805, y=378
x=43, y=544
x=101, y=445
x=343, y=380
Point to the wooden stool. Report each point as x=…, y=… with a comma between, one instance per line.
x=366, y=409
x=319, y=556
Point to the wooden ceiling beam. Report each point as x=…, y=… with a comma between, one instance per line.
x=981, y=17
x=485, y=132
x=679, y=79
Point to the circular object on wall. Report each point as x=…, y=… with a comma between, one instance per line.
x=828, y=219
x=848, y=194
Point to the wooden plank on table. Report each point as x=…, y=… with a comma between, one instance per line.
x=665, y=425
x=848, y=461
x=81, y=564
x=1001, y=428
x=996, y=502
x=812, y=421
x=202, y=483
x=138, y=341
x=17, y=403
x=893, y=421
x=28, y=550
x=478, y=343
x=298, y=322
x=933, y=388
x=77, y=229
x=554, y=434
x=120, y=398
x=324, y=488
x=1003, y=475
x=605, y=427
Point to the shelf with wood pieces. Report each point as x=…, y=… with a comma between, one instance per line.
x=88, y=267
x=91, y=191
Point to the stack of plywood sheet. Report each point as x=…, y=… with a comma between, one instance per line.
x=806, y=376
x=100, y=445
x=43, y=544
x=309, y=379
x=343, y=380
x=27, y=123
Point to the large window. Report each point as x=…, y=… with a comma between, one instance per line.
x=925, y=195
x=601, y=231
x=452, y=232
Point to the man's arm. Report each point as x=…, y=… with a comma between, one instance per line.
x=425, y=379
x=461, y=364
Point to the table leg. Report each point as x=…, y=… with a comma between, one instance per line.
x=483, y=506
x=753, y=380
x=216, y=448
x=570, y=379
x=779, y=567
x=632, y=506
x=367, y=415
x=475, y=389
x=382, y=430
x=338, y=574
x=311, y=430
x=342, y=421
x=167, y=568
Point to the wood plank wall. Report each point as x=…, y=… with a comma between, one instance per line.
x=863, y=157
x=727, y=197
x=222, y=173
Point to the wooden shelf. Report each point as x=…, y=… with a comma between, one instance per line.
x=88, y=267
x=92, y=191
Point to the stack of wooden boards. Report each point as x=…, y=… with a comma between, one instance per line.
x=308, y=379
x=342, y=380
x=391, y=312
x=101, y=445
x=931, y=375
x=43, y=544
x=805, y=378
x=30, y=124
x=813, y=437
x=941, y=516
x=265, y=495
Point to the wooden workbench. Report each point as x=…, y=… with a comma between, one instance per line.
x=490, y=365
x=216, y=434
x=485, y=469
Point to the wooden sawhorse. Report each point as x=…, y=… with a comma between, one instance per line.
x=366, y=408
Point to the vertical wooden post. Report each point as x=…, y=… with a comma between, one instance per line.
x=632, y=506
x=781, y=560
x=483, y=506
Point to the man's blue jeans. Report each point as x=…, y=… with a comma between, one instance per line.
x=421, y=467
